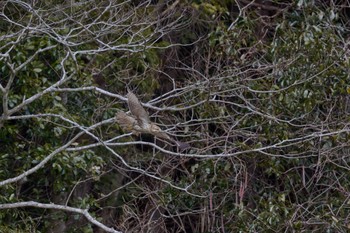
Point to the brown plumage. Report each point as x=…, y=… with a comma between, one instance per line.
x=139, y=122
x=127, y=122
x=138, y=111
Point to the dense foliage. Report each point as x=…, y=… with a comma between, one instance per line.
x=259, y=89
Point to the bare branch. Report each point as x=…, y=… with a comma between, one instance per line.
x=59, y=207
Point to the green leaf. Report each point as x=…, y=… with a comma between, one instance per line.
x=37, y=70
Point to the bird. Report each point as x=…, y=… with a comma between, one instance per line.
x=139, y=122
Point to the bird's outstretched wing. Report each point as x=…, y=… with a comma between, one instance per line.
x=138, y=111
x=125, y=121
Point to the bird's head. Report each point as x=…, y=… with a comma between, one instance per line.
x=155, y=128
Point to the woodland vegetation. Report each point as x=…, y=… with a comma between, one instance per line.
x=259, y=89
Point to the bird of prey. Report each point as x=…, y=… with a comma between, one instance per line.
x=139, y=122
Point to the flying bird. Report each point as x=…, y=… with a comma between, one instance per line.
x=139, y=122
